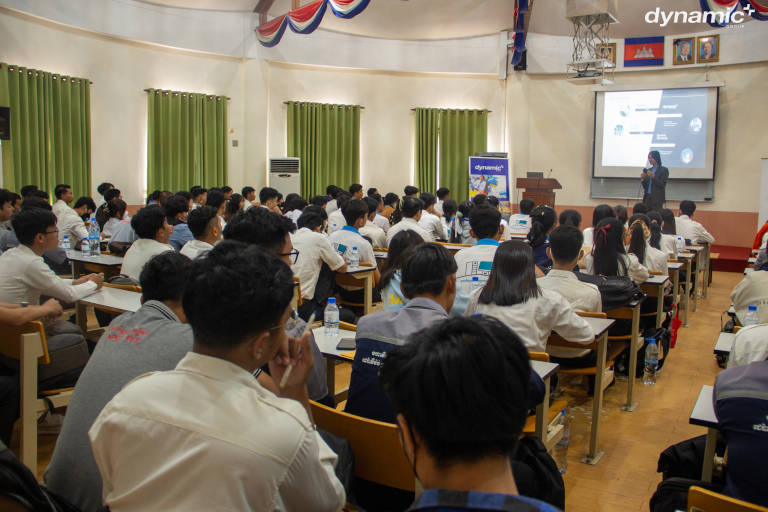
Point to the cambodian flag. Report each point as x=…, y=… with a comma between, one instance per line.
x=643, y=51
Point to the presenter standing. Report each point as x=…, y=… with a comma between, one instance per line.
x=654, y=180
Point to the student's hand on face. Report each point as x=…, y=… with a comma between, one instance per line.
x=294, y=351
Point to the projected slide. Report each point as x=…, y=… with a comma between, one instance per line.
x=678, y=123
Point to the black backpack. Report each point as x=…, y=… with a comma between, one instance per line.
x=615, y=291
x=536, y=473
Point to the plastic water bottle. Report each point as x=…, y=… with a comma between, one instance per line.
x=751, y=318
x=561, y=448
x=680, y=242
x=94, y=237
x=354, y=258
x=85, y=248
x=331, y=318
x=651, y=362
x=65, y=243
x=476, y=283
x=448, y=228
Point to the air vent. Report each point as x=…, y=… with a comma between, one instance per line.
x=284, y=165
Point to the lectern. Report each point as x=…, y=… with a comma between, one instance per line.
x=540, y=190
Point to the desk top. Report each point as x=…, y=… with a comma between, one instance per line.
x=656, y=280
x=380, y=255
x=703, y=413
x=360, y=270
x=599, y=325
x=724, y=343
x=114, y=298
x=543, y=369
x=748, y=270
x=686, y=255
x=103, y=259
x=673, y=265
x=694, y=248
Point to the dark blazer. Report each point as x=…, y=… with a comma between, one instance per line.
x=655, y=200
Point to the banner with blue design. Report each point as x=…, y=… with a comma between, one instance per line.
x=489, y=176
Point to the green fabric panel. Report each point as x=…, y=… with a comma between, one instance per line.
x=327, y=140
x=462, y=134
x=186, y=140
x=50, y=130
x=425, y=152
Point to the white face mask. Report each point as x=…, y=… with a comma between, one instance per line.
x=648, y=164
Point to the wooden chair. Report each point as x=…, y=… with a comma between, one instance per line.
x=703, y=500
x=352, y=281
x=27, y=344
x=296, y=299
x=128, y=287
x=379, y=456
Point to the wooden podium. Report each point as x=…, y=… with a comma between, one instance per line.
x=540, y=190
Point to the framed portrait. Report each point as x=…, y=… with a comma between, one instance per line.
x=708, y=49
x=683, y=51
x=607, y=51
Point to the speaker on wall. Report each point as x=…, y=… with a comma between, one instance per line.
x=5, y=123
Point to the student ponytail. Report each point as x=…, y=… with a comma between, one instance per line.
x=542, y=220
x=638, y=225
x=656, y=222
x=396, y=215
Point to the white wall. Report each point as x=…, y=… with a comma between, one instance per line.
x=386, y=123
x=120, y=71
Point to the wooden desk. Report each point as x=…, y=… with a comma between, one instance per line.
x=327, y=346
x=548, y=434
x=365, y=274
x=687, y=259
x=700, y=287
x=108, y=264
x=673, y=268
x=703, y=415
x=454, y=248
x=112, y=300
x=654, y=287
x=634, y=345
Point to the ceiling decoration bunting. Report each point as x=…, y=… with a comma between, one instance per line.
x=306, y=19
x=760, y=7
x=722, y=9
x=522, y=16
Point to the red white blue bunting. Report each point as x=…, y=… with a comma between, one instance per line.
x=722, y=11
x=522, y=12
x=306, y=19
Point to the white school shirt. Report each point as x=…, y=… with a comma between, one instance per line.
x=71, y=225
x=110, y=226
x=750, y=344
x=692, y=230
x=519, y=223
x=234, y=446
x=655, y=260
x=382, y=222
x=753, y=289
x=331, y=206
x=505, y=233
x=406, y=224
x=61, y=208
x=375, y=233
x=336, y=221
x=294, y=215
x=535, y=319
x=668, y=244
x=475, y=261
x=432, y=224
x=195, y=248
x=140, y=252
x=348, y=237
x=637, y=272
x=24, y=276
x=314, y=250
x=589, y=234
x=581, y=296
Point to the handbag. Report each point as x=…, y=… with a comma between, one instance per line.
x=615, y=291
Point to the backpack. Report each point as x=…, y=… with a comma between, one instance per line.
x=536, y=473
x=615, y=291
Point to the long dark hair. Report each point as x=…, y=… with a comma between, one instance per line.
x=608, y=248
x=399, y=248
x=513, y=276
x=669, y=226
x=233, y=206
x=543, y=219
x=621, y=213
x=449, y=212
x=601, y=211
x=656, y=221
x=637, y=235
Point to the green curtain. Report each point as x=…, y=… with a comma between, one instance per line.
x=425, y=158
x=326, y=138
x=186, y=140
x=462, y=134
x=50, y=130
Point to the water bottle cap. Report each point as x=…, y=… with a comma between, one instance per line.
x=66, y=237
x=354, y=248
x=331, y=300
x=650, y=340
x=475, y=278
x=752, y=307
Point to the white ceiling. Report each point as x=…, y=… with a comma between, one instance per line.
x=448, y=19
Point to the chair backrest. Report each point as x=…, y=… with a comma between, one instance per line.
x=129, y=287
x=655, y=272
x=349, y=327
x=555, y=340
x=539, y=356
x=592, y=314
x=379, y=456
x=624, y=313
x=10, y=340
x=703, y=500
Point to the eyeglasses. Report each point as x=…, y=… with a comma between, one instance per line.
x=51, y=232
x=294, y=255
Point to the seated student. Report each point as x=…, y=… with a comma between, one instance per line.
x=753, y=289
x=84, y=207
x=356, y=191
x=638, y=235
x=474, y=263
x=377, y=235
x=601, y=211
x=331, y=191
x=761, y=238
x=411, y=191
x=411, y=211
x=609, y=257
x=6, y=212
x=205, y=226
x=660, y=240
x=622, y=214
x=741, y=406
x=314, y=251
x=252, y=449
x=465, y=212
x=319, y=201
x=199, y=196
x=347, y=238
x=115, y=210
x=689, y=228
x=14, y=314
x=513, y=296
x=102, y=215
x=451, y=221
x=429, y=283
x=460, y=438
x=336, y=219
x=124, y=235
x=295, y=207
x=372, y=191
x=153, y=338
x=153, y=230
x=542, y=221
x=639, y=208
x=235, y=205
x=565, y=249
x=391, y=203
x=176, y=209
x=570, y=218
x=391, y=280
x=227, y=191
x=493, y=202
x=249, y=194
x=269, y=198
x=217, y=200
x=520, y=223
x=64, y=196
x=443, y=195
x=750, y=344
x=379, y=219
x=429, y=220
x=71, y=224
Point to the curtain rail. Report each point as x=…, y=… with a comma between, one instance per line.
x=184, y=92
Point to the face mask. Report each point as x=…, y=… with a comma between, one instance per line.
x=648, y=164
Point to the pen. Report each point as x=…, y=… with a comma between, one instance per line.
x=288, y=370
